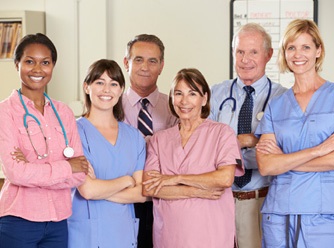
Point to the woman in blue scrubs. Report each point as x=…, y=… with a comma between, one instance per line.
x=296, y=147
x=103, y=211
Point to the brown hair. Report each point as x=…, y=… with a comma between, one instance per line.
x=114, y=71
x=193, y=78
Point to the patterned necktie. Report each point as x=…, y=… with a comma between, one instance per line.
x=145, y=125
x=245, y=126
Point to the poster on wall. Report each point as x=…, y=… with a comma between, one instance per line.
x=274, y=16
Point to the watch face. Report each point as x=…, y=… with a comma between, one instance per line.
x=68, y=152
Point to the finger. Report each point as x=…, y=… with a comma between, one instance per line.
x=153, y=185
x=158, y=188
x=151, y=180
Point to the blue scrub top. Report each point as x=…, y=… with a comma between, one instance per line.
x=101, y=223
x=300, y=192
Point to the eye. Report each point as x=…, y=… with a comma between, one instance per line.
x=29, y=61
x=306, y=47
x=138, y=60
x=115, y=84
x=99, y=82
x=46, y=62
x=153, y=61
x=290, y=48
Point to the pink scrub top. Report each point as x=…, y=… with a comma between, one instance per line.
x=194, y=222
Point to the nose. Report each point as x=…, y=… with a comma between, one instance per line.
x=183, y=100
x=106, y=88
x=144, y=66
x=245, y=58
x=37, y=67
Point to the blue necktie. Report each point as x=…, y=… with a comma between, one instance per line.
x=245, y=126
x=145, y=125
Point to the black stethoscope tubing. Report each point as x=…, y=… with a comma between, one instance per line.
x=235, y=101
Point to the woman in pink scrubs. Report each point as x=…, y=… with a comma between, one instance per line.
x=189, y=171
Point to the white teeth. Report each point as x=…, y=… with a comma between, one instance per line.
x=36, y=78
x=299, y=63
x=105, y=97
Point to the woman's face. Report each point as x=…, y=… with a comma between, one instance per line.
x=104, y=92
x=35, y=67
x=301, y=54
x=187, y=102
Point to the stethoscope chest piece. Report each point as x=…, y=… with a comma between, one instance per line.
x=68, y=152
x=259, y=115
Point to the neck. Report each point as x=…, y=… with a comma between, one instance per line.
x=143, y=92
x=103, y=119
x=305, y=84
x=189, y=125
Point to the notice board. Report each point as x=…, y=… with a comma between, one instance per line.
x=274, y=16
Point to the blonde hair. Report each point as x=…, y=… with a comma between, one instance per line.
x=292, y=32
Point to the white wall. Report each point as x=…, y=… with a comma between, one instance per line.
x=195, y=33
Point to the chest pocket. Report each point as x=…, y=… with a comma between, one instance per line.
x=34, y=139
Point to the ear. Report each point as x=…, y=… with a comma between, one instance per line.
x=205, y=99
x=85, y=88
x=319, y=50
x=270, y=54
x=161, y=66
x=17, y=66
x=126, y=64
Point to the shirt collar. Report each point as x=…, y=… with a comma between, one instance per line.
x=259, y=85
x=134, y=98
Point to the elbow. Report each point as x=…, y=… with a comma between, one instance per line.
x=85, y=192
x=146, y=193
x=264, y=171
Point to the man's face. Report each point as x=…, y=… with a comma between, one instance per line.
x=250, y=57
x=144, y=67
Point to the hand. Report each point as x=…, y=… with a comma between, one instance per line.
x=247, y=140
x=18, y=155
x=326, y=147
x=211, y=194
x=157, y=181
x=79, y=164
x=91, y=171
x=268, y=146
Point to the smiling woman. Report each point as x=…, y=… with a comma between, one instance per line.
x=190, y=169
x=35, y=130
x=103, y=213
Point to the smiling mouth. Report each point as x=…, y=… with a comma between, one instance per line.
x=36, y=79
x=299, y=62
x=106, y=98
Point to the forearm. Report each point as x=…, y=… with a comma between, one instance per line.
x=276, y=164
x=319, y=164
x=128, y=195
x=176, y=192
x=97, y=189
x=218, y=179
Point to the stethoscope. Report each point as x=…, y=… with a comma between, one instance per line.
x=68, y=151
x=231, y=98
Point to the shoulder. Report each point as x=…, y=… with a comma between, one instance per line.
x=62, y=107
x=168, y=132
x=221, y=89
x=222, y=85
x=211, y=125
x=278, y=89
